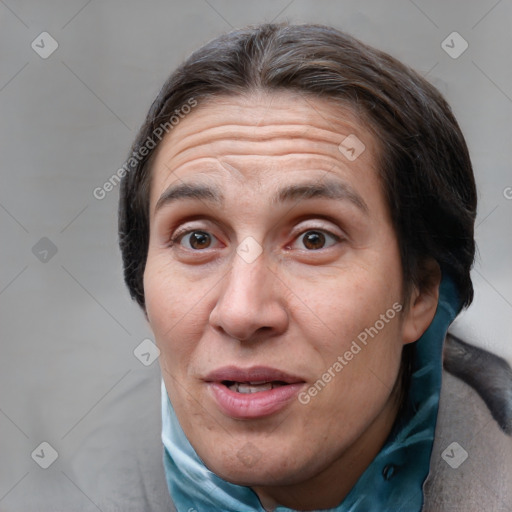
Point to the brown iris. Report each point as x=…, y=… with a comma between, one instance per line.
x=200, y=240
x=314, y=240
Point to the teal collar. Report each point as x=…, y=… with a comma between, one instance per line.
x=392, y=482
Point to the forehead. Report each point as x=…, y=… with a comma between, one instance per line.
x=261, y=139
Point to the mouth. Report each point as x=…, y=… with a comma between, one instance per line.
x=252, y=393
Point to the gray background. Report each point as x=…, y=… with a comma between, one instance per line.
x=68, y=375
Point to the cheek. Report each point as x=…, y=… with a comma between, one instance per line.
x=355, y=316
x=360, y=364
x=346, y=302
x=173, y=311
x=160, y=303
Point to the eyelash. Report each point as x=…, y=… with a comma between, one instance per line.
x=176, y=239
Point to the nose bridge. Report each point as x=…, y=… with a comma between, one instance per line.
x=247, y=277
x=247, y=283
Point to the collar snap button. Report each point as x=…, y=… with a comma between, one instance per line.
x=388, y=471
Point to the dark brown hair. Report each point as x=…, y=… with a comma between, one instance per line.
x=425, y=166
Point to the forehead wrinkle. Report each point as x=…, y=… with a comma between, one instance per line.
x=208, y=166
x=308, y=113
x=258, y=134
x=227, y=155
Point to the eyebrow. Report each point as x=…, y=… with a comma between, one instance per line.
x=328, y=189
x=189, y=191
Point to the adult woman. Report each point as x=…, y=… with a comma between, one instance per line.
x=300, y=240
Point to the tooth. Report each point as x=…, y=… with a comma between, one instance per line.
x=247, y=388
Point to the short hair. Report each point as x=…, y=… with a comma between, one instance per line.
x=424, y=162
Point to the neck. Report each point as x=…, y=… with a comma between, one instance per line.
x=330, y=487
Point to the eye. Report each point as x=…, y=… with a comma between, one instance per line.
x=315, y=239
x=195, y=240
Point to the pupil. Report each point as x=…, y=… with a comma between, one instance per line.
x=314, y=240
x=200, y=240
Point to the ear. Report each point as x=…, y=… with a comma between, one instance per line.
x=422, y=303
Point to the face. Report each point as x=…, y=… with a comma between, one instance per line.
x=273, y=287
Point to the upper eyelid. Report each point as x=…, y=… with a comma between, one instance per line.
x=190, y=225
x=323, y=230
x=180, y=234
x=296, y=228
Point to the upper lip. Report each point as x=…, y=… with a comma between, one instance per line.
x=252, y=374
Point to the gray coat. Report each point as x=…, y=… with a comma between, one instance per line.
x=483, y=481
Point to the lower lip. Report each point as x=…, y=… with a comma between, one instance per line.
x=245, y=406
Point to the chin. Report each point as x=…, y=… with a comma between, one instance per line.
x=257, y=476
x=250, y=465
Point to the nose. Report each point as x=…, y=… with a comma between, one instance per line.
x=250, y=304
